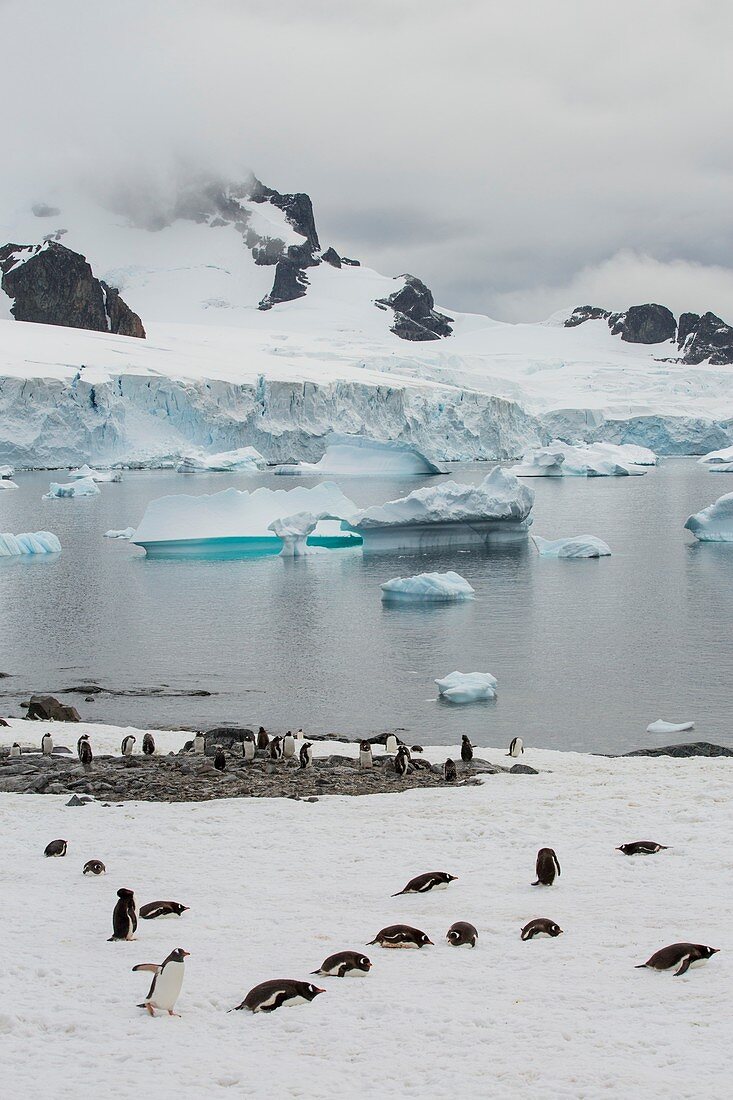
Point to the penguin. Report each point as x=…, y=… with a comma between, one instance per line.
x=220, y=760
x=275, y=748
x=449, y=771
x=262, y=739
x=85, y=751
x=124, y=917
x=642, y=848
x=684, y=954
x=306, y=755
x=128, y=743
x=431, y=880
x=300, y=736
x=154, y=909
x=366, y=759
x=199, y=744
x=547, y=867
x=541, y=926
x=402, y=761
x=94, y=867
x=401, y=935
x=15, y=749
x=167, y=981
x=288, y=745
x=516, y=747
x=248, y=750
x=462, y=934
x=343, y=964
x=148, y=745
x=47, y=744
x=278, y=993
x=390, y=744
x=466, y=750
x=56, y=848
x=83, y=740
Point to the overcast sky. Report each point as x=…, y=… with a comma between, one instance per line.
x=518, y=156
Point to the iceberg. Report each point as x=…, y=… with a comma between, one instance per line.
x=96, y=475
x=560, y=459
x=36, y=542
x=6, y=483
x=85, y=487
x=722, y=468
x=578, y=546
x=714, y=523
x=304, y=530
x=125, y=533
x=245, y=460
x=360, y=456
x=660, y=726
x=428, y=586
x=467, y=687
x=6, y=471
x=723, y=457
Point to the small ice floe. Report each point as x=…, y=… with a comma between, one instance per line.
x=36, y=542
x=559, y=459
x=467, y=687
x=578, y=546
x=660, y=726
x=125, y=533
x=245, y=460
x=714, y=523
x=428, y=586
x=96, y=475
x=6, y=471
x=84, y=487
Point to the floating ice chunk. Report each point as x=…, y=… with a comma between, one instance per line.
x=304, y=530
x=467, y=687
x=660, y=726
x=37, y=542
x=360, y=456
x=428, y=586
x=715, y=523
x=721, y=468
x=96, y=475
x=244, y=460
x=6, y=471
x=125, y=533
x=85, y=487
x=560, y=459
x=6, y=483
x=713, y=458
x=578, y=546
x=627, y=453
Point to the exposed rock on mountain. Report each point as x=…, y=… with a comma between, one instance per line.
x=647, y=324
x=331, y=256
x=581, y=314
x=705, y=338
x=700, y=339
x=415, y=315
x=291, y=282
x=52, y=285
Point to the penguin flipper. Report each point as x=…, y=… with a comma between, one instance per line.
x=152, y=967
x=641, y=966
x=396, y=896
x=688, y=959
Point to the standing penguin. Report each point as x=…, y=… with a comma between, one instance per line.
x=166, y=987
x=148, y=745
x=15, y=749
x=466, y=750
x=262, y=739
x=85, y=750
x=306, y=755
x=390, y=744
x=402, y=761
x=199, y=744
x=83, y=740
x=248, y=750
x=516, y=747
x=124, y=917
x=128, y=743
x=220, y=760
x=275, y=748
x=288, y=745
x=47, y=744
x=300, y=736
x=449, y=771
x=365, y=755
x=547, y=867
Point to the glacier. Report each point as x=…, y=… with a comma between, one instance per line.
x=560, y=459
x=714, y=523
x=85, y=487
x=467, y=687
x=359, y=456
x=577, y=546
x=36, y=542
x=244, y=460
x=428, y=586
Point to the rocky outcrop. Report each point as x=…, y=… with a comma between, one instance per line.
x=52, y=285
x=647, y=324
x=47, y=708
x=701, y=339
x=581, y=314
x=291, y=282
x=706, y=338
x=415, y=316
x=331, y=256
x=693, y=748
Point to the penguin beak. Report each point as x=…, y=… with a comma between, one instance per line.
x=186, y=953
x=319, y=991
x=429, y=942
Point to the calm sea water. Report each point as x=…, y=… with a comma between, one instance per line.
x=587, y=653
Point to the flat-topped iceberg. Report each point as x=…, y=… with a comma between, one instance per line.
x=96, y=475
x=660, y=726
x=36, y=542
x=359, y=456
x=85, y=487
x=467, y=687
x=244, y=460
x=714, y=523
x=577, y=546
x=428, y=586
x=560, y=459
x=124, y=533
x=723, y=457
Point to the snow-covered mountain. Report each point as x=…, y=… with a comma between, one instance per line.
x=257, y=334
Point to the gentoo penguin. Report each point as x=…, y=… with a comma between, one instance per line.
x=449, y=771
x=516, y=747
x=642, y=848
x=547, y=867
x=154, y=909
x=47, y=744
x=462, y=934
x=85, y=750
x=83, y=740
x=278, y=993
x=306, y=755
x=262, y=739
x=343, y=963
x=541, y=926
x=466, y=750
x=288, y=745
x=365, y=755
x=56, y=848
x=248, y=750
x=94, y=867
x=220, y=760
x=128, y=743
x=275, y=748
x=199, y=744
x=431, y=880
x=148, y=745
x=401, y=935
x=166, y=985
x=124, y=917
x=390, y=744
x=686, y=954
x=15, y=749
x=402, y=761
x=300, y=736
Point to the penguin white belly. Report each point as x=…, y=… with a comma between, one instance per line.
x=168, y=986
x=433, y=886
x=365, y=760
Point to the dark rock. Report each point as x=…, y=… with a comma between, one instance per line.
x=349, y=262
x=76, y=801
x=522, y=769
x=331, y=256
x=694, y=748
x=581, y=314
x=290, y=283
x=709, y=339
x=121, y=318
x=226, y=736
x=646, y=324
x=46, y=707
x=298, y=209
x=415, y=317
x=687, y=323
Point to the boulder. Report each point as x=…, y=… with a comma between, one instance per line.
x=47, y=708
x=581, y=314
x=694, y=748
x=706, y=338
x=415, y=317
x=646, y=324
x=349, y=262
x=226, y=736
x=331, y=256
x=687, y=323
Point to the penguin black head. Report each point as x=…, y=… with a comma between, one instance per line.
x=365, y=746
x=708, y=952
x=365, y=963
x=179, y=954
x=125, y=894
x=310, y=992
x=422, y=939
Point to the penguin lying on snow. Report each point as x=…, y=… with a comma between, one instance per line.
x=148, y=745
x=642, y=848
x=401, y=935
x=278, y=993
x=547, y=867
x=431, y=880
x=56, y=848
x=94, y=867
x=124, y=917
x=166, y=985
x=462, y=934
x=686, y=954
x=154, y=909
x=541, y=926
x=344, y=963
